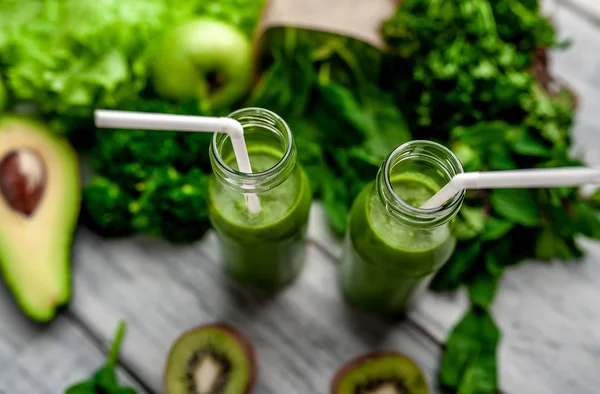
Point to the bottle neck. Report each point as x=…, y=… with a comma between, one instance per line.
x=418, y=163
x=265, y=134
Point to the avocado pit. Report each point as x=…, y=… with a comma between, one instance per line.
x=22, y=180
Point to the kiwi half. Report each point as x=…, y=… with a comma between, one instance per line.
x=211, y=359
x=380, y=373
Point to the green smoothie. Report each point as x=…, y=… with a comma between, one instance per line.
x=264, y=250
x=388, y=263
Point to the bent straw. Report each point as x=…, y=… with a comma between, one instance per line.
x=529, y=178
x=205, y=124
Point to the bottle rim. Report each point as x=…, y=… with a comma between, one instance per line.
x=440, y=156
x=256, y=181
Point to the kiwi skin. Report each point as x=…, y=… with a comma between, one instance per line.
x=235, y=334
x=357, y=362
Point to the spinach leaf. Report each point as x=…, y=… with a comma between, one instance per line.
x=335, y=195
x=496, y=228
x=105, y=381
x=469, y=360
x=482, y=289
x=457, y=269
x=469, y=223
x=517, y=205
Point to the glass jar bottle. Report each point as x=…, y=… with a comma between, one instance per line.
x=392, y=248
x=267, y=249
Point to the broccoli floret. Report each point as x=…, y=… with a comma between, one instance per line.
x=182, y=206
x=106, y=207
x=150, y=182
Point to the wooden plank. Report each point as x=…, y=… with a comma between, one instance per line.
x=547, y=312
x=44, y=360
x=302, y=335
x=588, y=8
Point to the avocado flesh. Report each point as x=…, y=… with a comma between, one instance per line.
x=35, y=250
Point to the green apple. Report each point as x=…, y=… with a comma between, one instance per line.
x=204, y=58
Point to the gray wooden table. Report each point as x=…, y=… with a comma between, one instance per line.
x=549, y=313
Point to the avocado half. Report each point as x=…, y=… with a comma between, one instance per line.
x=40, y=198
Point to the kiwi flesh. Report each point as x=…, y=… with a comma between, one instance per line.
x=211, y=359
x=380, y=373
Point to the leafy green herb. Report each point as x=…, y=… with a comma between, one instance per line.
x=149, y=182
x=469, y=223
x=326, y=87
x=517, y=205
x=496, y=228
x=104, y=380
x=469, y=360
x=482, y=289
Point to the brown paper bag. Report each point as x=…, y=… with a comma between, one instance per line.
x=360, y=19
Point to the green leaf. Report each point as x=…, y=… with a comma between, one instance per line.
x=387, y=127
x=517, y=205
x=527, y=145
x=496, y=228
x=343, y=102
x=286, y=86
x=453, y=273
x=125, y=390
x=595, y=198
x=499, y=255
x=482, y=289
x=469, y=223
x=88, y=387
x=335, y=196
x=551, y=245
x=113, y=356
x=469, y=361
x=106, y=378
x=480, y=377
x=586, y=220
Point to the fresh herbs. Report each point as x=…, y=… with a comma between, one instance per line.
x=325, y=86
x=104, y=380
x=472, y=74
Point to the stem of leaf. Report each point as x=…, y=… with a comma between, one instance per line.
x=113, y=356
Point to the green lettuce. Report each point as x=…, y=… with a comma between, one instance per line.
x=72, y=56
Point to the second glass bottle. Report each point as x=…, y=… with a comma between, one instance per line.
x=393, y=248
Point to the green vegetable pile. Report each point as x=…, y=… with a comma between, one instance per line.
x=325, y=86
x=71, y=57
x=463, y=73
x=149, y=182
x=466, y=79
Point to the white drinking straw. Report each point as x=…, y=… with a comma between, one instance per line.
x=511, y=179
x=205, y=124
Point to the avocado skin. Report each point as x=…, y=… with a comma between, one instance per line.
x=35, y=251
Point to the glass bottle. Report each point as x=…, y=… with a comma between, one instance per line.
x=265, y=250
x=392, y=248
